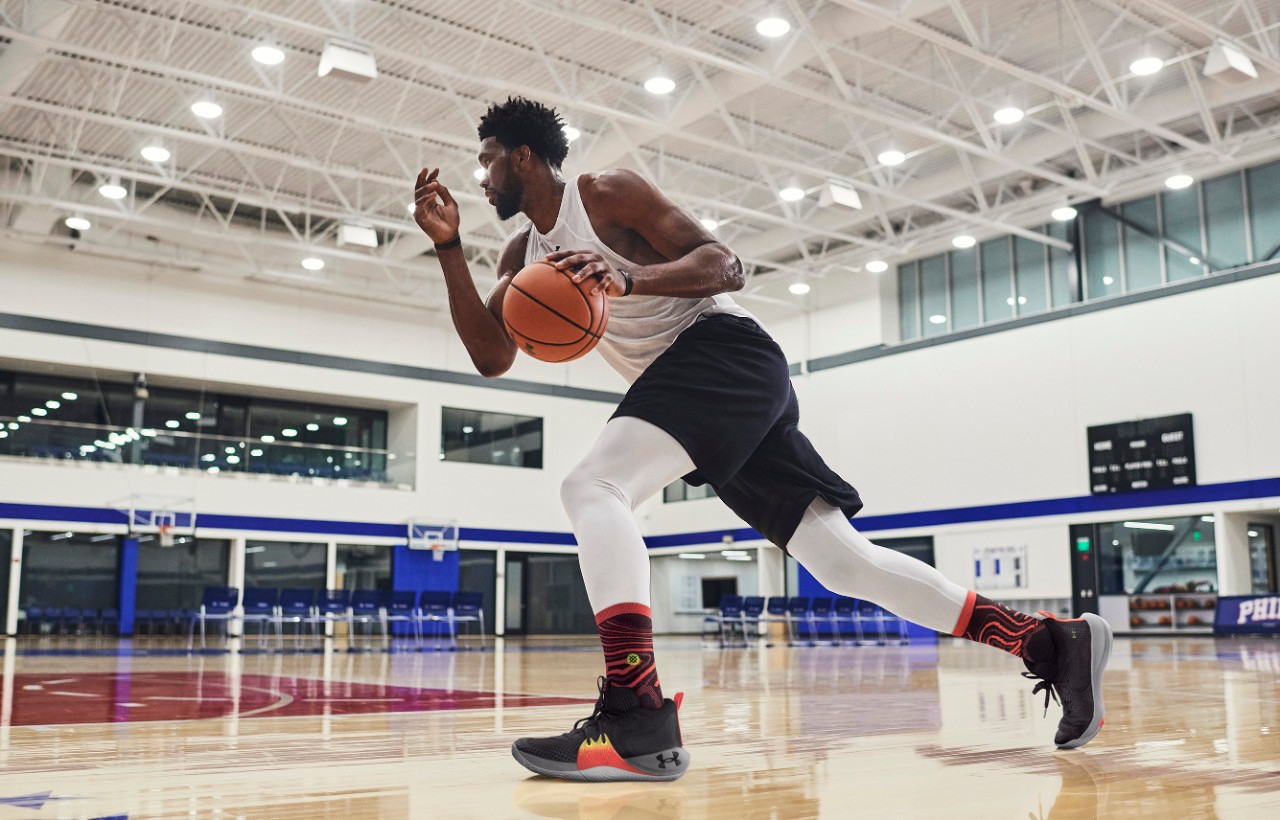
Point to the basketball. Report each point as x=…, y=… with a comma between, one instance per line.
x=551, y=317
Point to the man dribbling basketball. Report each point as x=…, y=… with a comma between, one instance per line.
x=710, y=400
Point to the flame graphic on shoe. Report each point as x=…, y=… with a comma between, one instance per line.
x=600, y=752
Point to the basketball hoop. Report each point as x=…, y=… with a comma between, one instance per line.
x=165, y=532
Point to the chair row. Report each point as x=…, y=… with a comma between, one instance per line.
x=313, y=610
x=51, y=620
x=806, y=619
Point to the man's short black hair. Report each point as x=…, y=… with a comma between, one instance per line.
x=519, y=122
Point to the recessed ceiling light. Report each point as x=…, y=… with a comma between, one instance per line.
x=1064, y=214
x=964, y=241
x=268, y=439
x=39, y=411
x=288, y=432
x=571, y=133
x=313, y=427
x=156, y=153
x=53, y=404
x=791, y=194
x=709, y=224
x=773, y=27
x=70, y=396
x=1179, y=181
x=206, y=109
x=268, y=54
x=877, y=266
x=1108, y=280
x=77, y=223
x=659, y=85
x=1195, y=260
x=339, y=421
x=937, y=319
x=173, y=424
x=1008, y=116
x=113, y=190
x=891, y=158
x=193, y=415
x=313, y=263
x=799, y=288
x=1146, y=66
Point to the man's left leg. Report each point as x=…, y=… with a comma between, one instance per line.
x=634, y=733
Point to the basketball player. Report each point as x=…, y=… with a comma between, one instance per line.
x=710, y=400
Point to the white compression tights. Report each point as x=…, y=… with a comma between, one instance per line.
x=632, y=460
x=845, y=562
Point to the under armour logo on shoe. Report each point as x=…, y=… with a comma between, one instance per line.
x=674, y=760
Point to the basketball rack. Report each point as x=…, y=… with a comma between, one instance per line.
x=437, y=535
x=166, y=516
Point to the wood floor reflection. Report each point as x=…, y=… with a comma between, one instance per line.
x=1193, y=731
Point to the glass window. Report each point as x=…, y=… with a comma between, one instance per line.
x=1181, y=212
x=175, y=577
x=69, y=418
x=478, y=437
x=1031, y=279
x=1158, y=556
x=1264, y=209
x=283, y=564
x=966, y=310
x=1101, y=255
x=1262, y=558
x=997, y=283
x=478, y=572
x=681, y=490
x=1224, y=221
x=933, y=295
x=1141, y=250
x=909, y=301
x=363, y=566
x=1061, y=266
x=70, y=570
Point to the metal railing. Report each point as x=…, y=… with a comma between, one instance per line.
x=72, y=441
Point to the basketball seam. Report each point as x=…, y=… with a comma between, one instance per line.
x=549, y=309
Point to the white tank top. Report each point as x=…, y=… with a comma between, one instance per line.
x=640, y=327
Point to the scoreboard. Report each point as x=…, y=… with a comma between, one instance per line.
x=1150, y=454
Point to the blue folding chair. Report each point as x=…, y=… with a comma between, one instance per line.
x=752, y=617
x=435, y=608
x=332, y=606
x=775, y=612
x=797, y=614
x=366, y=608
x=216, y=604
x=819, y=616
x=401, y=608
x=468, y=608
x=725, y=622
x=843, y=612
x=297, y=606
x=259, y=606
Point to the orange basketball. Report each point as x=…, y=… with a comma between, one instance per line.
x=551, y=317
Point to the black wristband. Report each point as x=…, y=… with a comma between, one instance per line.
x=452, y=243
x=626, y=278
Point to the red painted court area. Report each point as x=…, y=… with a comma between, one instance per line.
x=43, y=700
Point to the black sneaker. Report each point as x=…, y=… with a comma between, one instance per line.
x=1073, y=678
x=619, y=741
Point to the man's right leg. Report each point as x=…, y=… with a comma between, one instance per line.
x=1068, y=656
x=634, y=733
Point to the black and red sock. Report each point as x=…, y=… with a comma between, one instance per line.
x=986, y=621
x=626, y=634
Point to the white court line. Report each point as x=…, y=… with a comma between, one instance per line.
x=353, y=700
x=76, y=694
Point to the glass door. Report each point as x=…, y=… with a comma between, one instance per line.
x=1262, y=558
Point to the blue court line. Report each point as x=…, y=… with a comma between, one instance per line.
x=1202, y=494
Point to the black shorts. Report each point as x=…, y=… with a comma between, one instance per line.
x=723, y=390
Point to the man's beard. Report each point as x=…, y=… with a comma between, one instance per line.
x=508, y=201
